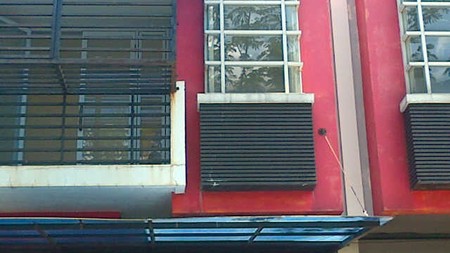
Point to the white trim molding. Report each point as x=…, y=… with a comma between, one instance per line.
x=227, y=98
x=424, y=98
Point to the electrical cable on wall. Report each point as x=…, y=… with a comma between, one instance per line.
x=323, y=132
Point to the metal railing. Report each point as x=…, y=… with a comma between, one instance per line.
x=86, y=82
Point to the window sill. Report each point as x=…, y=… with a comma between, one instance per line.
x=229, y=98
x=443, y=98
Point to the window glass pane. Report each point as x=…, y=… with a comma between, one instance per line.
x=102, y=121
x=254, y=79
x=52, y=125
x=104, y=48
x=212, y=17
x=293, y=49
x=151, y=47
x=417, y=80
x=12, y=37
x=253, y=48
x=291, y=18
x=41, y=116
x=414, y=49
x=438, y=48
x=247, y=17
x=213, y=47
x=71, y=48
x=213, y=78
x=436, y=18
x=440, y=79
x=411, y=19
x=154, y=134
x=40, y=47
x=8, y=127
x=294, y=79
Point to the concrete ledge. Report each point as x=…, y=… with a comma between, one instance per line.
x=92, y=175
x=424, y=99
x=224, y=98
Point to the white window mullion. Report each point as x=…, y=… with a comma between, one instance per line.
x=424, y=46
x=222, y=47
x=285, y=47
x=405, y=38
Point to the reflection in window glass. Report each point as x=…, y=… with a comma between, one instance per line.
x=249, y=48
x=417, y=79
x=293, y=49
x=212, y=17
x=253, y=48
x=213, y=78
x=440, y=83
x=291, y=18
x=411, y=19
x=213, y=47
x=427, y=45
x=414, y=49
x=438, y=48
x=252, y=17
x=294, y=79
x=254, y=79
x=436, y=18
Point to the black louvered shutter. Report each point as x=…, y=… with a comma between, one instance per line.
x=428, y=139
x=259, y=146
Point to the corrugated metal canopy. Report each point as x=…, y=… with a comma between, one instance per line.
x=220, y=234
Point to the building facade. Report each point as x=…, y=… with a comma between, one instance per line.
x=191, y=108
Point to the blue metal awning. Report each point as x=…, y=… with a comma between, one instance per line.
x=212, y=234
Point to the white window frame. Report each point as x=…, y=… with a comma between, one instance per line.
x=222, y=63
x=406, y=35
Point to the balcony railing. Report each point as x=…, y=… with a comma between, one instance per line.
x=86, y=82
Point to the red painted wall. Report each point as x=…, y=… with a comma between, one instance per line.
x=318, y=78
x=384, y=88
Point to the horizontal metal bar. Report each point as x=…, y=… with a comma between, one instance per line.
x=24, y=15
x=90, y=49
x=22, y=3
x=87, y=62
x=87, y=104
x=68, y=150
x=90, y=38
x=24, y=48
x=93, y=162
x=17, y=25
x=85, y=115
x=108, y=28
x=116, y=3
x=116, y=92
x=120, y=15
x=70, y=127
x=69, y=138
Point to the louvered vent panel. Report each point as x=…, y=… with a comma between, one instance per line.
x=257, y=147
x=428, y=136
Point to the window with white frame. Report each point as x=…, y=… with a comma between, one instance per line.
x=426, y=30
x=252, y=46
